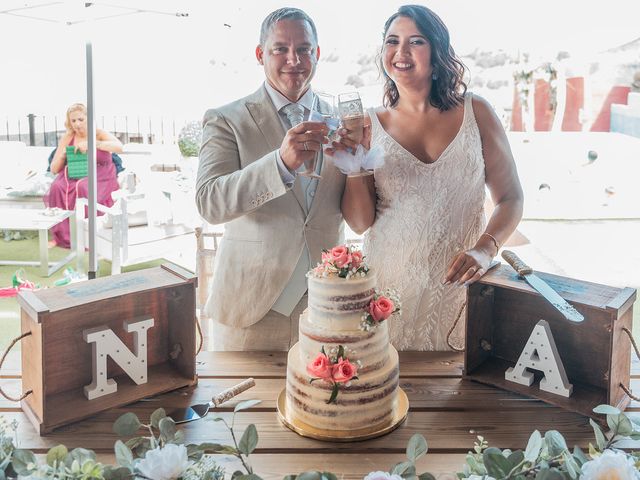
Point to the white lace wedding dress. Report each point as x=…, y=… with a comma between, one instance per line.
x=425, y=214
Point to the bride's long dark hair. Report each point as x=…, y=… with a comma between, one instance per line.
x=448, y=87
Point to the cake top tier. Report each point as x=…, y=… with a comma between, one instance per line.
x=342, y=261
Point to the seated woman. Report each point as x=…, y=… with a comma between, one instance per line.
x=65, y=190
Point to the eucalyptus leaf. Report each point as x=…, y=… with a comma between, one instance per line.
x=550, y=474
x=516, y=458
x=534, y=445
x=56, y=454
x=251, y=476
x=236, y=474
x=156, y=416
x=570, y=465
x=416, y=447
x=580, y=456
x=606, y=410
x=126, y=424
x=23, y=461
x=329, y=476
x=309, y=476
x=249, y=440
x=601, y=441
x=167, y=428
x=620, y=424
x=124, y=457
x=496, y=464
x=426, y=476
x=555, y=442
x=245, y=405
x=290, y=477
x=401, y=468
x=179, y=438
x=120, y=473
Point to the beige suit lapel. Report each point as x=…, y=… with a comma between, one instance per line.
x=323, y=184
x=266, y=117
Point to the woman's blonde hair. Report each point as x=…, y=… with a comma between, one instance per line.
x=73, y=108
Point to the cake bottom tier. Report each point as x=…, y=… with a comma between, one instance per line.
x=368, y=402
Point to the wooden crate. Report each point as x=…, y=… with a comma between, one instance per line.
x=502, y=312
x=57, y=361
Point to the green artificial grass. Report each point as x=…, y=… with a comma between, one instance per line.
x=28, y=250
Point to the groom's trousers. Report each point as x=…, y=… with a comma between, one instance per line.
x=275, y=332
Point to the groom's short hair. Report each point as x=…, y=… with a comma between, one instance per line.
x=285, y=13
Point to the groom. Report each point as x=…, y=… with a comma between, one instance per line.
x=276, y=221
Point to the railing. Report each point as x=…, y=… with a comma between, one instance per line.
x=43, y=130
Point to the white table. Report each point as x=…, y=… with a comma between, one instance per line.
x=41, y=220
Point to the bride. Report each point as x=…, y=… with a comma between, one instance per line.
x=427, y=235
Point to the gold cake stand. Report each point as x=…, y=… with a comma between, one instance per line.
x=304, y=430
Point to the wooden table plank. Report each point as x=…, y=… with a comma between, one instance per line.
x=453, y=394
x=345, y=465
x=274, y=364
x=446, y=432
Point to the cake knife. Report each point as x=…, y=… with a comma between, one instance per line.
x=196, y=412
x=542, y=287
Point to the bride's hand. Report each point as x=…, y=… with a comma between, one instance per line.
x=467, y=267
x=347, y=143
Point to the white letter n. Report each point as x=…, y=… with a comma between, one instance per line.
x=106, y=343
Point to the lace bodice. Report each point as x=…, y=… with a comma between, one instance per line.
x=425, y=214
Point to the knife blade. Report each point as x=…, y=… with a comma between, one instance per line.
x=542, y=287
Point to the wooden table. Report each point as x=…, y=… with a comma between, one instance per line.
x=40, y=220
x=449, y=411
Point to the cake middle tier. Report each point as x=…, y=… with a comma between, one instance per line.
x=369, y=347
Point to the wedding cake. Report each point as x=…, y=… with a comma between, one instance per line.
x=343, y=372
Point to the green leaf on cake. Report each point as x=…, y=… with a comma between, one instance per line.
x=126, y=424
x=340, y=352
x=334, y=394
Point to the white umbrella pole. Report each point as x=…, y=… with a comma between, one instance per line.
x=91, y=159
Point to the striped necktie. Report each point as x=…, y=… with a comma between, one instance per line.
x=294, y=113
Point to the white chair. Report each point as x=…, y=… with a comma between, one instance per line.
x=124, y=244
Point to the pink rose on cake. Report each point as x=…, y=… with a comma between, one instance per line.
x=382, y=307
x=321, y=367
x=344, y=371
x=335, y=369
x=340, y=255
x=343, y=261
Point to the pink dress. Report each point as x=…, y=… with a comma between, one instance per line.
x=65, y=190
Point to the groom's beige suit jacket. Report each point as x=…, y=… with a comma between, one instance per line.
x=266, y=224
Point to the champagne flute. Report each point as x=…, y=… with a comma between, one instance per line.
x=324, y=110
x=352, y=117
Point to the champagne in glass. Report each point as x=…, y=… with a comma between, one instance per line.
x=352, y=115
x=324, y=110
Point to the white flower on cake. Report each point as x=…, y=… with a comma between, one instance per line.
x=166, y=463
x=383, y=305
x=344, y=261
x=382, y=476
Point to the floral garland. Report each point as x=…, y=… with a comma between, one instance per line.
x=163, y=455
x=335, y=369
x=342, y=261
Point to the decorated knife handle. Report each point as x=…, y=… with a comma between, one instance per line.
x=229, y=393
x=517, y=264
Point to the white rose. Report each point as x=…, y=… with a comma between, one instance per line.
x=612, y=464
x=382, y=476
x=166, y=463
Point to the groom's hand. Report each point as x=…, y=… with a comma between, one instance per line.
x=302, y=143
